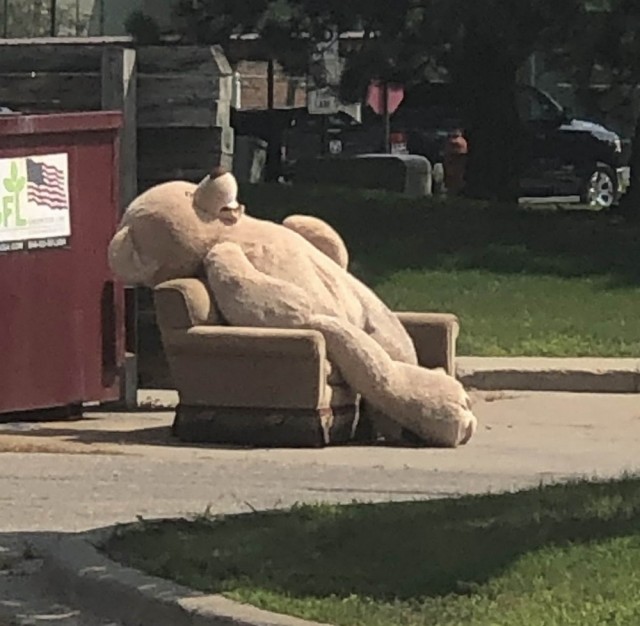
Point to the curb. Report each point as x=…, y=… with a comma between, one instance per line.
x=581, y=375
x=75, y=569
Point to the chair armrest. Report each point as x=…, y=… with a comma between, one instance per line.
x=184, y=303
x=272, y=342
x=434, y=336
x=228, y=366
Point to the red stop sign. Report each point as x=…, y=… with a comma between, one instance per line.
x=375, y=96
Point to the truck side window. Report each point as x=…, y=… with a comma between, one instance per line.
x=535, y=106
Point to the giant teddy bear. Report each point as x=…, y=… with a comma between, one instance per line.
x=293, y=275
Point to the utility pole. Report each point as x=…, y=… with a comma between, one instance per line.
x=386, y=117
x=5, y=30
x=52, y=10
x=273, y=145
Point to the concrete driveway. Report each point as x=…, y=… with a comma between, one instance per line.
x=108, y=468
x=72, y=476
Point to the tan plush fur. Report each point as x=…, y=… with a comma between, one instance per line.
x=162, y=233
x=429, y=403
x=292, y=275
x=160, y=237
x=252, y=298
x=321, y=235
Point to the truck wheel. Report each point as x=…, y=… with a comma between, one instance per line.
x=600, y=187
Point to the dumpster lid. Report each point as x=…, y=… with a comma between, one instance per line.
x=53, y=123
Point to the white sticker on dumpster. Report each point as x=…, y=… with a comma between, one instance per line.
x=34, y=202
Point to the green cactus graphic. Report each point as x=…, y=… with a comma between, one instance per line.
x=14, y=185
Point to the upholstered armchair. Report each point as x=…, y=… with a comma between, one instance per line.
x=267, y=387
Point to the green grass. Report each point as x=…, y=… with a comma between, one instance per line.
x=561, y=555
x=523, y=282
x=533, y=315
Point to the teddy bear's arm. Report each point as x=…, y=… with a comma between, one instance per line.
x=247, y=297
x=318, y=233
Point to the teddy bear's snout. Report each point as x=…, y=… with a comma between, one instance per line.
x=230, y=215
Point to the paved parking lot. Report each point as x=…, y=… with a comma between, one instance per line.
x=108, y=468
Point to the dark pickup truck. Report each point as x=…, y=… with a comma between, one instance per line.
x=564, y=156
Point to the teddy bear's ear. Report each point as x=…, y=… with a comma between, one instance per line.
x=218, y=171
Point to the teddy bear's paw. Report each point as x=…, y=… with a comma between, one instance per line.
x=463, y=423
x=468, y=430
x=226, y=260
x=225, y=250
x=448, y=428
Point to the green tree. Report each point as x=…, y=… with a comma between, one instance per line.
x=288, y=30
x=481, y=45
x=278, y=22
x=393, y=46
x=26, y=19
x=34, y=19
x=495, y=39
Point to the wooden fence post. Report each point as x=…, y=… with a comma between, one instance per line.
x=119, y=93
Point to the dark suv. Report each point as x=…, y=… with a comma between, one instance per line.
x=564, y=156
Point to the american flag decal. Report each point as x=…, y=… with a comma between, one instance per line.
x=45, y=185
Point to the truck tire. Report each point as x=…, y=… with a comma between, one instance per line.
x=600, y=187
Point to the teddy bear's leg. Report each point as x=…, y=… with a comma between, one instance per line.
x=431, y=404
x=247, y=297
x=318, y=233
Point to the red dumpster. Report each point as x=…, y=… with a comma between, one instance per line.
x=61, y=314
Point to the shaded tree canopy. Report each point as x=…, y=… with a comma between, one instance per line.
x=480, y=45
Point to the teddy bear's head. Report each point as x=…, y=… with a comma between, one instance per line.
x=166, y=232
